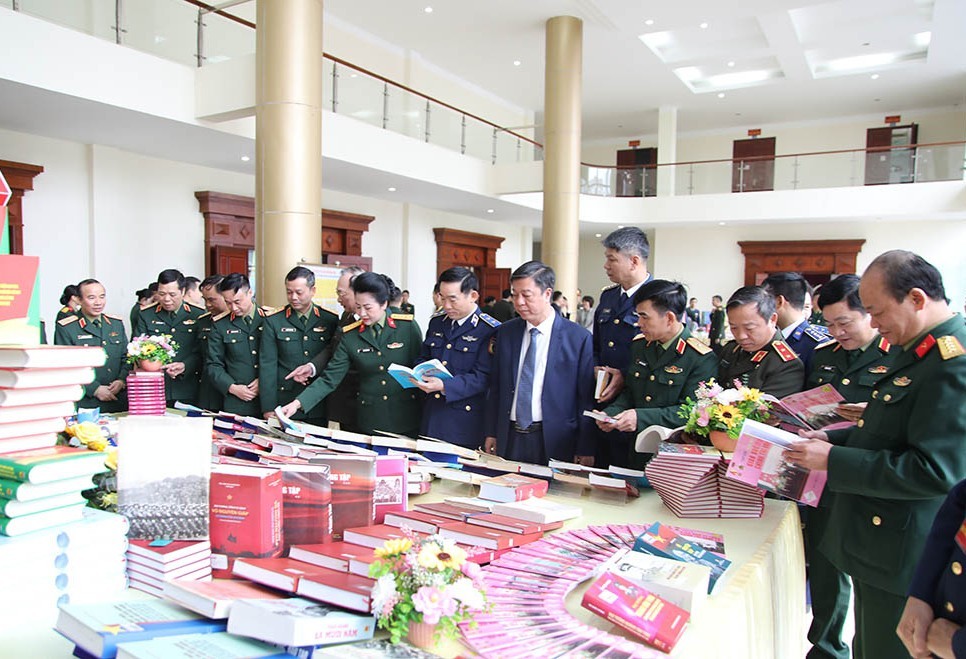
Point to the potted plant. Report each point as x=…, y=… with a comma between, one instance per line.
x=717, y=413
x=424, y=589
x=151, y=352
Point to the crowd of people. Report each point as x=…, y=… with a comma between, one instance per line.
x=523, y=375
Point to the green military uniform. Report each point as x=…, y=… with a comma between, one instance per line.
x=288, y=341
x=209, y=398
x=233, y=346
x=383, y=403
x=182, y=325
x=657, y=381
x=716, y=330
x=342, y=405
x=890, y=475
x=853, y=373
x=65, y=312
x=108, y=333
x=408, y=307
x=774, y=369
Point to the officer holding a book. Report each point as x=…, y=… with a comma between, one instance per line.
x=92, y=327
x=460, y=338
x=757, y=357
x=291, y=336
x=666, y=365
x=892, y=471
x=371, y=344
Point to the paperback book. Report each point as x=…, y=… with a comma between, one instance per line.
x=193, y=646
x=298, y=621
x=814, y=409
x=246, y=514
x=408, y=377
x=512, y=487
x=660, y=540
x=215, y=599
x=353, y=481
x=306, y=504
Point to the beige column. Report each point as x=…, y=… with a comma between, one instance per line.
x=288, y=141
x=561, y=154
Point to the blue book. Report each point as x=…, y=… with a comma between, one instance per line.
x=98, y=628
x=661, y=540
x=408, y=377
x=202, y=646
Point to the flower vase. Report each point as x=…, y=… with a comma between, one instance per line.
x=721, y=441
x=150, y=365
x=422, y=635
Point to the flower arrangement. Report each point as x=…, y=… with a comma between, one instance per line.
x=156, y=348
x=425, y=581
x=716, y=408
x=97, y=437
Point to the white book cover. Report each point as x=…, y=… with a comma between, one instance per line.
x=538, y=510
x=680, y=583
x=198, y=646
x=297, y=621
x=163, y=469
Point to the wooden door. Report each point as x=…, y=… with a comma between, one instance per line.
x=885, y=165
x=637, y=172
x=230, y=259
x=753, y=168
x=493, y=281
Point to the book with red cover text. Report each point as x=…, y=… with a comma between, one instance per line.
x=349, y=591
x=281, y=573
x=214, y=599
x=391, y=493
x=644, y=614
x=480, y=536
x=353, y=481
x=510, y=524
x=417, y=521
x=246, y=514
x=339, y=556
x=164, y=552
x=374, y=536
x=512, y=487
x=306, y=504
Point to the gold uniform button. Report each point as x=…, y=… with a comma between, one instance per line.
x=860, y=423
x=378, y=353
x=875, y=393
x=647, y=398
x=876, y=520
x=443, y=362
x=637, y=374
x=670, y=381
x=384, y=383
x=437, y=395
x=846, y=381
x=887, y=397
x=610, y=344
x=382, y=368
x=385, y=397
x=468, y=408
x=617, y=321
x=449, y=345
x=957, y=568
x=254, y=352
x=950, y=607
x=651, y=378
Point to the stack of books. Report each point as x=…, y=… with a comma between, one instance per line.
x=78, y=562
x=145, y=393
x=150, y=564
x=38, y=388
x=691, y=482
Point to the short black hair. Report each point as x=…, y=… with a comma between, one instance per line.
x=490, y=299
x=171, y=276
x=436, y=288
x=904, y=271
x=143, y=293
x=85, y=282
x=406, y=291
x=466, y=278
x=541, y=273
x=628, y=240
x=234, y=282
x=588, y=298
x=378, y=286
x=790, y=285
x=300, y=272
x=756, y=295
x=191, y=283
x=556, y=296
x=70, y=290
x=843, y=287
x=211, y=281
x=664, y=296
x=153, y=287
x=506, y=293
x=716, y=297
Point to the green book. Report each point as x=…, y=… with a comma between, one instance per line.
x=20, y=491
x=51, y=463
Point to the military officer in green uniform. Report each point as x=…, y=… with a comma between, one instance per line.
x=758, y=357
x=852, y=362
x=890, y=474
x=232, y=362
x=92, y=327
x=209, y=398
x=666, y=364
x=70, y=302
x=178, y=319
x=292, y=336
x=371, y=344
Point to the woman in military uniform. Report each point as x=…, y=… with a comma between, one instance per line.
x=371, y=344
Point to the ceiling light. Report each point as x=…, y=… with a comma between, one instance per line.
x=688, y=73
x=428, y=10
x=738, y=78
x=720, y=94
x=245, y=158
x=489, y=210
x=516, y=62
x=620, y=226
x=392, y=189
x=875, y=76
x=731, y=64
x=596, y=235
x=861, y=62
x=649, y=21
x=704, y=26
x=656, y=40
x=922, y=39
x=721, y=224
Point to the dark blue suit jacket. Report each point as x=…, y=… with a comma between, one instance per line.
x=568, y=388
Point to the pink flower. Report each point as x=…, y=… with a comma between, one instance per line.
x=433, y=603
x=471, y=569
x=703, y=420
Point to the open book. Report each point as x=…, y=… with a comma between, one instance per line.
x=408, y=377
x=759, y=459
x=815, y=409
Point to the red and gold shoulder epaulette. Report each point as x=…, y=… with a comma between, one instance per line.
x=925, y=346
x=220, y=316
x=826, y=344
x=949, y=347
x=67, y=320
x=277, y=311
x=884, y=344
x=262, y=312
x=638, y=337
x=110, y=317
x=65, y=309
x=401, y=316
x=352, y=326
x=786, y=353
x=697, y=345
x=145, y=307
x=761, y=354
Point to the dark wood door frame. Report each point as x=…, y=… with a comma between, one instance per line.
x=820, y=257
x=20, y=177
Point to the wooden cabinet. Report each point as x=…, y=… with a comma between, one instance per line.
x=809, y=257
x=475, y=251
x=885, y=164
x=637, y=172
x=753, y=168
x=20, y=178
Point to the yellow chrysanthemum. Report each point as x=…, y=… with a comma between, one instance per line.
x=434, y=557
x=728, y=415
x=753, y=395
x=111, y=461
x=394, y=547
x=86, y=433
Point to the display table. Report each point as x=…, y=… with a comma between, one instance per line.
x=756, y=610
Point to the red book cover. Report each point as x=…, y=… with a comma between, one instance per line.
x=644, y=614
x=391, y=492
x=511, y=524
x=281, y=573
x=353, y=480
x=245, y=514
x=332, y=555
x=375, y=536
x=483, y=537
x=347, y=590
x=306, y=505
x=417, y=521
x=452, y=511
x=512, y=487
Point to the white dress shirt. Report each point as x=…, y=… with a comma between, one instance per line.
x=539, y=367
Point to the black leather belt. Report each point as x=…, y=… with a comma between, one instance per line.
x=536, y=426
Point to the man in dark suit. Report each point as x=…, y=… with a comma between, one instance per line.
x=503, y=308
x=892, y=471
x=542, y=378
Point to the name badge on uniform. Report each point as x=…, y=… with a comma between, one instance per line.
x=361, y=350
x=437, y=334
x=318, y=329
x=641, y=363
x=393, y=346
x=85, y=336
x=828, y=367
x=233, y=331
x=961, y=536
x=188, y=321
x=287, y=329
x=157, y=322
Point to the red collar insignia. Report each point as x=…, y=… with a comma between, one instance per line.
x=925, y=346
x=288, y=311
x=390, y=322
x=884, y=344
x=761, y=354
x=682, y=344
